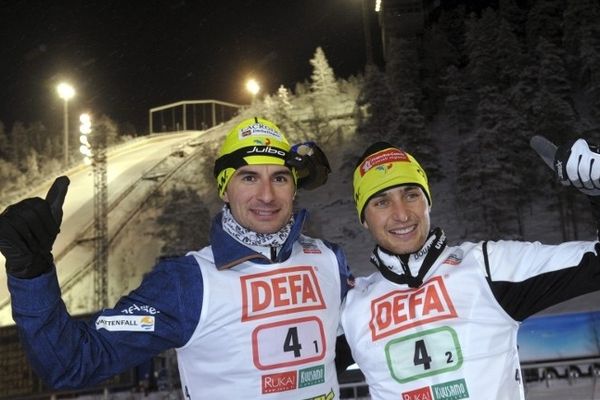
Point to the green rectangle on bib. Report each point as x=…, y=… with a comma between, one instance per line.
x=454, y=390
x=311, y=376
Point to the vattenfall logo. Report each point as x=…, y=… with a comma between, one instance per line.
x=131, y=323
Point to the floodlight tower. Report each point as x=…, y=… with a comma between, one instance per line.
x=93, y=147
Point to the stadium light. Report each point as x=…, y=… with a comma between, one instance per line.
x=65, y=92
x=253, y=87
x=85, y=128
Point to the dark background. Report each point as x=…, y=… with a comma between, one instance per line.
x=124, y=57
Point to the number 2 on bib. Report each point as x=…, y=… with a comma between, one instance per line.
x=422, y=354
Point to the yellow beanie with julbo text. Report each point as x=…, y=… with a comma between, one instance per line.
x=253, y=141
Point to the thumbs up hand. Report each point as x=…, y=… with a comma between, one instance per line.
x=579, y=165
x=28, y=230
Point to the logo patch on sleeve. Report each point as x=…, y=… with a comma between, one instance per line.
x=126, y=323
x=309, y=246
x=455, y=258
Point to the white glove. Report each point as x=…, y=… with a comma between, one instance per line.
x=581, y=168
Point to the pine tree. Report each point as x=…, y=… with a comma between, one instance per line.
x=490, y=175
x=279, y=108
x=438, y=55
x=408, y=126
x=410, y=132
x=470, y=187
x=590, y=73
x=580, y=24
x=375, y=105
x=544, y=20
x=509, y=56
x=52, y=149
x=324, y=93
x=284, y=98
x=514, y=15
x=19, y=145
x=403, y=68
x=493, y=188
x=582, y=45
x=553, y=107
x=108, y=127
x=522, y=94
x=459, y=102
x=452, y=24
x=555, y=117
x=12, y=179
x=509, y=146
x=323, y=83
x=270, y=108
x=32, y=166
x=481, y=40
x=38, y=134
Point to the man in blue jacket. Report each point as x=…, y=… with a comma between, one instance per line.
x=252, y=315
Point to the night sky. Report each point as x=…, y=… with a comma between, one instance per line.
x=127, y=56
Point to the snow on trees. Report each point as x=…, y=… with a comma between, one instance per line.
x=323, y=84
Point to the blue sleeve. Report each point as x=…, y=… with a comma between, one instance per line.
x=346, y=278
x=162, y=313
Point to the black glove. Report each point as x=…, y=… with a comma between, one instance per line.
x=28, y=230
x=310, y=163
x=579, y=165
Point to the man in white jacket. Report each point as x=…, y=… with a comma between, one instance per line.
x=439, y=321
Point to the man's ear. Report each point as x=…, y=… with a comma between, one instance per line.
x=365, y=224
x=225, y=197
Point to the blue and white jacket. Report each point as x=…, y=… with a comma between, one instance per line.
x=223, y=301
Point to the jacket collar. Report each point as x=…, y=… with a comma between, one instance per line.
x=228, y=252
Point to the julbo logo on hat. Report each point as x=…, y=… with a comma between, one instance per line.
x=253, y=141
x=382, y=167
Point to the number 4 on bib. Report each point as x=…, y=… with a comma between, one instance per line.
x=422, y=354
